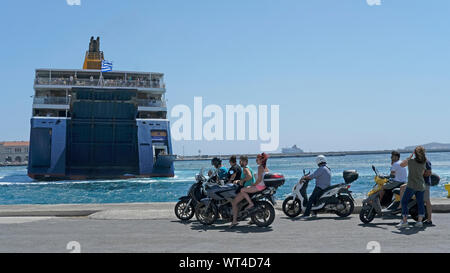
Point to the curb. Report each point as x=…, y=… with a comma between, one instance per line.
x=85, y=210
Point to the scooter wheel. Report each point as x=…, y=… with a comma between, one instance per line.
x=348, y=206
x=367, y=214
x=292, y=207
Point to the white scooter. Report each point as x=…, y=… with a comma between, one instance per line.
x=336, y=198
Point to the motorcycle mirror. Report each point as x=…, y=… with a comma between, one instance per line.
x=374, y=169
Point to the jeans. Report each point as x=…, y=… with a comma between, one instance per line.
x=313, y=199
x=407, y=195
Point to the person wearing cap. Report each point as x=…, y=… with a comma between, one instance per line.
x=323, y=180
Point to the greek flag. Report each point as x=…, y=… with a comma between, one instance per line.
x=106, y=66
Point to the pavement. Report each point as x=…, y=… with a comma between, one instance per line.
x=153, y=227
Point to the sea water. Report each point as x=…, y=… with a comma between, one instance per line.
x=17, y=188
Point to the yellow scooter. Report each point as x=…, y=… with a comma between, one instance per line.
x=372, y=205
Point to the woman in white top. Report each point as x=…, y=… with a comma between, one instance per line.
x=259, y=185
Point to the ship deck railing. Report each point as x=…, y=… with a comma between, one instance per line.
x=51, y=100
x=101, y=83
x=151, y=103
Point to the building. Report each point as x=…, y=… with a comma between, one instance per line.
x=14, y=152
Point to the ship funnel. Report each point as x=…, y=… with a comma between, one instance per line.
x=94, y=57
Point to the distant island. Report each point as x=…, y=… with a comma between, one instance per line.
x=294, y=151
x=431, y=146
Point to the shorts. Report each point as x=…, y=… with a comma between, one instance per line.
x=260, y=187
x=391, y=184
x=426, y=196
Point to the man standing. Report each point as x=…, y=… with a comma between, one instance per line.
x=427, y=178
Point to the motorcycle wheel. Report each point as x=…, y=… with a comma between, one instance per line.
x=265, y=214
x=367, y=214
x=184, y=211
x=292, y=207
x=206, y=215
x=348, y=206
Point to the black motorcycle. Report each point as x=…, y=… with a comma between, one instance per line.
x=219, y=199
x=185, y=208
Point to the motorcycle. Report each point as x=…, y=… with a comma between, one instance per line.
x=336, y=198
x=219, y=199
x=185, y=208
x=388, y=205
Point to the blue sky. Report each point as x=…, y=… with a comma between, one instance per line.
x=347, y=76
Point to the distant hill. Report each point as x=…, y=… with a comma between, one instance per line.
x=431, y=146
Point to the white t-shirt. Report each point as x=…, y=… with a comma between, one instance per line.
x=401, y=174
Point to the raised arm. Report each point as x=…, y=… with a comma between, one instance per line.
x=404, y=163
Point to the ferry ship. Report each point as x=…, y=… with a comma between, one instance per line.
x=89, y=124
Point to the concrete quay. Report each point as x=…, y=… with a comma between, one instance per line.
x=153, y=227
x=155, y=210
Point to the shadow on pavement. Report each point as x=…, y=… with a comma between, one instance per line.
x=377, y=225
x=410, y=230
x=186, y=222
x=224, y=226
x=405, y=231
x=336, y=218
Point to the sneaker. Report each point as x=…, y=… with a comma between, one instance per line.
x=427, y=222
x=402, y=225
x=305, y=217
x=418, y=224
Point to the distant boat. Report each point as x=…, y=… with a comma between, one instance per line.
x=293, y=150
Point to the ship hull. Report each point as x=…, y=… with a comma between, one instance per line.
x=60, y=177
x=101, y=140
